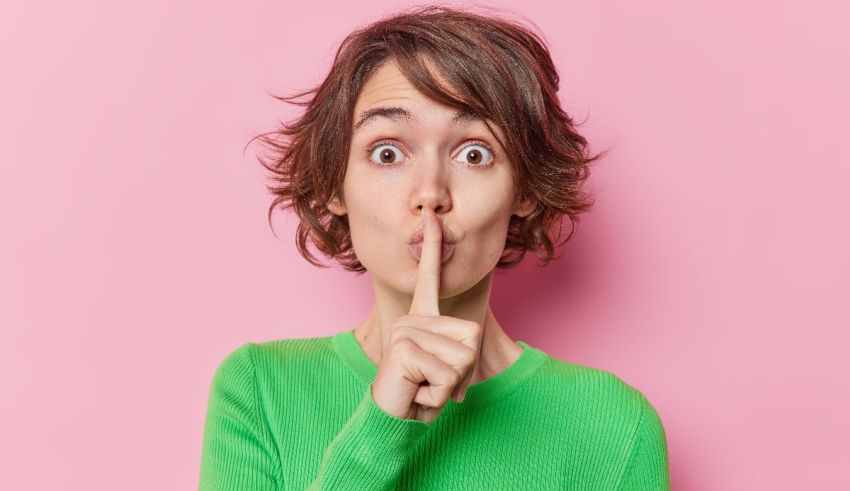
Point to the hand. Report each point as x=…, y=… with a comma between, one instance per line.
x=424, y=346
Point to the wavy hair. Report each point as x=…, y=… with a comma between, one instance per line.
x=494, y=67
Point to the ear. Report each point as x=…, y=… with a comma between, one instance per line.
x=525, y=207
x=336, y=206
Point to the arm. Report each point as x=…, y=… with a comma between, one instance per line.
x=647, y=465
x=370, y=450
x=238, y=452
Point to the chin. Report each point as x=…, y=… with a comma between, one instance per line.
x=455, y=278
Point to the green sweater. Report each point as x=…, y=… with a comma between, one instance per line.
x=295, y=414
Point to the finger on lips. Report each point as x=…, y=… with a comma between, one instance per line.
x=426, y=296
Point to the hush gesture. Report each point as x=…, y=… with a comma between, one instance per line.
x=428, y=357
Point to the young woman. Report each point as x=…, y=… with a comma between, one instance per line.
x=434, y=152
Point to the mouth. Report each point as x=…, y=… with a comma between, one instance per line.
x=445, y=253
x=418, y=236
x=447, y=244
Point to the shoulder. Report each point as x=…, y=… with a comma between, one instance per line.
x=620, y=421
x=600, y=393
x=614, y=416
x=284, y=349
x=611, y=418
x=273, y=360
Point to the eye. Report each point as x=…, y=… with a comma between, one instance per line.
x=477, y=155
x=384, y=154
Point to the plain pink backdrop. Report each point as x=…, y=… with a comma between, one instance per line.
x=713, y=274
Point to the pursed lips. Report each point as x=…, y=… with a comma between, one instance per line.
x=447, y=244
x=418, y=236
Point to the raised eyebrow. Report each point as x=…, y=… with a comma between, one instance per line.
x=396, y=113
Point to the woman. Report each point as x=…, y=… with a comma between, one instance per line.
x=434, y=151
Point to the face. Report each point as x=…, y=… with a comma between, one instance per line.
x=397, y=166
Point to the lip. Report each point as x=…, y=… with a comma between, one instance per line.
x=418, y=236
x=445, y=253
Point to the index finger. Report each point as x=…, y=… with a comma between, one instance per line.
x=426, y=296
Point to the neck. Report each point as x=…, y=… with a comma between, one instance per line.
x=498, y=351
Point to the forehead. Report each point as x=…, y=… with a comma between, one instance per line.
x=402, y=114
x=388, y=96
x=387, y=87
x=388, y=83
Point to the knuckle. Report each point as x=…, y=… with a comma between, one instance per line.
x=404, y=346
x=400, y=331
x=475, y=328
x=479, y=328
x=453, y=377
x=469, y=355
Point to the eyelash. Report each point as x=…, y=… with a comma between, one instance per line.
x=471, y=142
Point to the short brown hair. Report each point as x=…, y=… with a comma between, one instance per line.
x=496, y=68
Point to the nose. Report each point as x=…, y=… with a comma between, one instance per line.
x=431, y=187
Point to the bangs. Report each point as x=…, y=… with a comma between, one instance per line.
x=464, y=72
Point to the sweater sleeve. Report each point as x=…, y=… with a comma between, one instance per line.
x=370, y=450
x=238, y=451
x=647, y=465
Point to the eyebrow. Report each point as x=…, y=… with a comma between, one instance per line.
x=396, y=113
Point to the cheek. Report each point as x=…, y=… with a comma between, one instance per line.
x=371, y=224
x=486, y=231
x=373, y=219
x=488, y=210
x=366, y=203
x=493, y=239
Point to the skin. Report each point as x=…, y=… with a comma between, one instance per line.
x=430, y=173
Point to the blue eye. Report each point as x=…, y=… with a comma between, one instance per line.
x=477, y=155
x=383, y=154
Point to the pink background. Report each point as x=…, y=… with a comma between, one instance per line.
x=713, y=275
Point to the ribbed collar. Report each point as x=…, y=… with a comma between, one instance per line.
x=478, y=395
